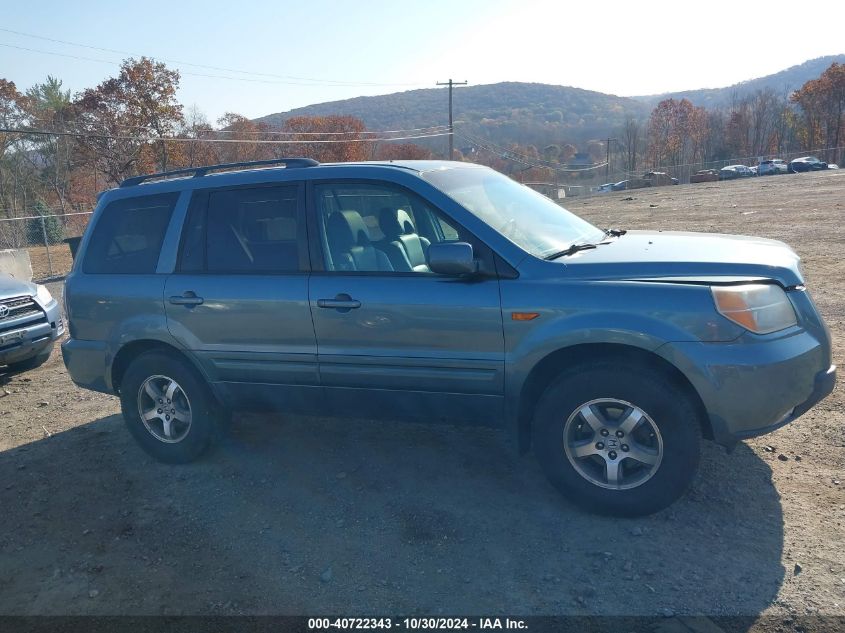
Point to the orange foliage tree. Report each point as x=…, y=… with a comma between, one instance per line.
x=677, y=131
x=125, y=114
x=822, y=101
x=346, y=133
x=402, y=151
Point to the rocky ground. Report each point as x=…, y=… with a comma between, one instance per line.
x=314, y=516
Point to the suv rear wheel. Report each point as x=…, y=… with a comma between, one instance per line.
x=617, y=439
x=168, y=407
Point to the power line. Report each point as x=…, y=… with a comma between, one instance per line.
x=143, y=139
x=194, y=65
x=193, y=74
x=432, y=128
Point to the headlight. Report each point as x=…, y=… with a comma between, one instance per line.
x=760, y=308
x=43, y=295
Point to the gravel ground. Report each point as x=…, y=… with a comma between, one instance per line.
x=314, y=516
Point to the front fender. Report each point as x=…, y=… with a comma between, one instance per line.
x=625, y=314
x=570, y=333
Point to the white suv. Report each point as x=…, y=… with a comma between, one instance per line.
x=772, y=167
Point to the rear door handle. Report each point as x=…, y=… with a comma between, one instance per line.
x=188, y=298
x=341, y=302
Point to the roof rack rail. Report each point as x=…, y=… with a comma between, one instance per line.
x=197, y=172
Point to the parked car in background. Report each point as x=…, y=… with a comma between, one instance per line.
x=631, y=183
x=659, y=178
x=439, y=291
x=30, y=321
x=772, y=167
x=832, y=166
x=806, y=163
x=608, y=186
x=705, y=175
x=731, y=172
x=753, y=169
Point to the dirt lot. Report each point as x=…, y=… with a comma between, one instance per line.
x=297, y=515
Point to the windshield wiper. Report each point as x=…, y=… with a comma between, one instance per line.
x=569, y=251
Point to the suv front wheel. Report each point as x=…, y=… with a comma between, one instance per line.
x=168, y=407
x=616, y=438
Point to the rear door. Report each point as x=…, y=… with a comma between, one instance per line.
x=239, y=297
x=400, y=344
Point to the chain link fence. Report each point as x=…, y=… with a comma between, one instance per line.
x=49, y=240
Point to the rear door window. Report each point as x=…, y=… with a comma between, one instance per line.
x=245, y=230
x=128, y=236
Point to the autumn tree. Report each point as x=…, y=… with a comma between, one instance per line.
x=197, y=131
x=12, y=113
x=15, y=177
x=125, y=114
x=677, y=131
x=822, y=102
x=567, y=151
x=329, y=138
x=597, y=151
x=240, y=140
x=402, y=151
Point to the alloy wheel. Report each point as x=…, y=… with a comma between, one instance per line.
x=612, y=443
x=164, y=408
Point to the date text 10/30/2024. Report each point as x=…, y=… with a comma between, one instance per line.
x=419, y=623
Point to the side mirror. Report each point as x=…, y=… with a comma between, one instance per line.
x=452, y=258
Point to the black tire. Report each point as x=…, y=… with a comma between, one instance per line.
x=203, y=427
x=31, y=363
x=666, y=406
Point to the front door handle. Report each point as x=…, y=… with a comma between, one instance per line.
x=341, y=302
x=188, y=298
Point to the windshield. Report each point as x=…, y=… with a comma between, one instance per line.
x=529, y=219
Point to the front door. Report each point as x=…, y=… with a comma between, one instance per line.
x=394, y=339
x=239, y=298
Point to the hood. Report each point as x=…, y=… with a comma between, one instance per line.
x=664, y=255
x=11, y=287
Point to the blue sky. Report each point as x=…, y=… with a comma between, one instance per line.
x=380, y=46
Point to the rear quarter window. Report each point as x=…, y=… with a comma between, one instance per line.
x=128, y=235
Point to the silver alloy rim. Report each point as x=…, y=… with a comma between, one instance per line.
x=612, y=443
x=164, y=409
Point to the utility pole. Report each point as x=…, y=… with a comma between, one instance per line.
x=607, y=160
x=451, y=83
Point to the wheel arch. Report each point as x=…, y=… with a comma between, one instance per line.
x=560, y=360
x=132, y=350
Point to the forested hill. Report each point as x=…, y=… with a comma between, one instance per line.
x=782, y=83
x=536, y=114
x=525, y=113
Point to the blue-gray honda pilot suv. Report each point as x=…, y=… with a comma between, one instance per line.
x=438, y=291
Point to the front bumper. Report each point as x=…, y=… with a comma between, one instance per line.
x=750, y=389
x=825, y=382
x=20, y=343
